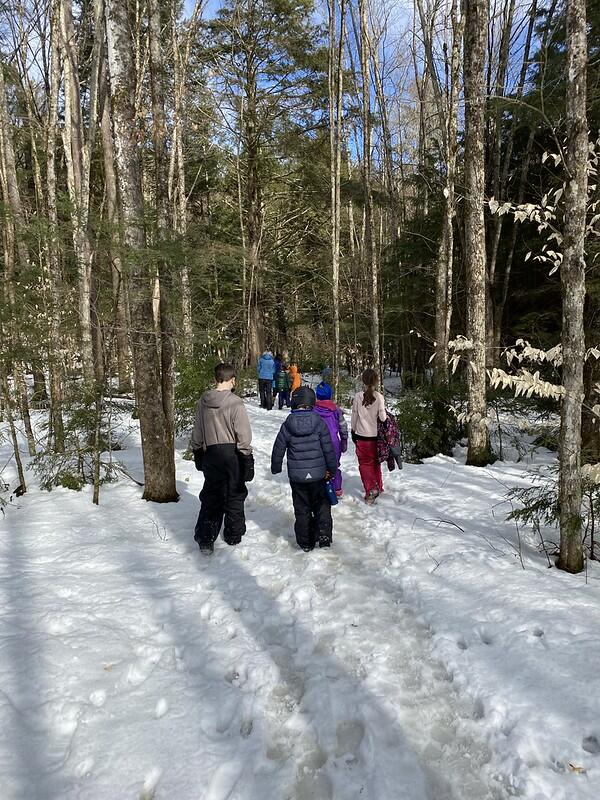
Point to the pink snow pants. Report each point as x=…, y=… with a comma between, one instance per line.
x=368, y=465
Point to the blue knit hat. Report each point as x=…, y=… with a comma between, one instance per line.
x=324, y=391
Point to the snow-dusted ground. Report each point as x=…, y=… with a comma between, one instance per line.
x=412, y=661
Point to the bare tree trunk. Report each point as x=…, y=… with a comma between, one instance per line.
x=13, y=435
x=254, y=226
x=447, y=110
x=118, y=278
x=501, y=170
x=180, y=61
x=14, y=230
x=336, y=89
x=157, y=443
x=159, y=135
x=370, y=255
x=54, y=344
x=501, y=303
x=78, y=147
x=572, y=273
x=476, y=21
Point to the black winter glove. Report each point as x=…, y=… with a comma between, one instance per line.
x=247, y=467
x=198, y=456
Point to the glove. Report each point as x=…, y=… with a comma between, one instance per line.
x=353, y=437
x=328, y=475
x=198, y=457
x=344, y=445
x=247, y=467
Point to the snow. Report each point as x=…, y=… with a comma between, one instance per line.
x=415, y=660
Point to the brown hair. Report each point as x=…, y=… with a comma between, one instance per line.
x=370, y=379
x=224, y=373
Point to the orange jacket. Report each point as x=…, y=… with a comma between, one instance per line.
x=295, y=377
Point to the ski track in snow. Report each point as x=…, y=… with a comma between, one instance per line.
x=132, y=666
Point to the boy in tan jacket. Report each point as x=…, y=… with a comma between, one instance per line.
x=221, y=442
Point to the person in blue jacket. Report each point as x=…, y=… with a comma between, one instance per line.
x=311, y=460
x=266, y=375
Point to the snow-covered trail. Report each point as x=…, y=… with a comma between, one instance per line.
x=129, y=660
x=132, y=666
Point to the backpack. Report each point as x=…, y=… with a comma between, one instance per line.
x=389, y=442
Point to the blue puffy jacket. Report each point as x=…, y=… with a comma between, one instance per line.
x=305, y=437
x=266, y=367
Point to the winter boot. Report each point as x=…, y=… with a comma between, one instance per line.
x=206, y=547
x=371, y=497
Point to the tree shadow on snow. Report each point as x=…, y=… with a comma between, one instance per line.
x=325, y=720
x=25, y=696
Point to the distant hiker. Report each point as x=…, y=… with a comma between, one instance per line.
x=333, y=417
x=310, y=462
x=277, y=364
x=295, y=377
x=221, y=442
x=368, y=407
x=266, y=374
x=282, y=386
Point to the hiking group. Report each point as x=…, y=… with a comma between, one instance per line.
x=313, y=438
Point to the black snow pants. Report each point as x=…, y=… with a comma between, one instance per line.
x=222, y=496
x=313, y=512
x=266, y=393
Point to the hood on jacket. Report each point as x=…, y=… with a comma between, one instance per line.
x=293, y=369
x=267, y=356
x=302, y=422
x=216, y=399
x=327, y=405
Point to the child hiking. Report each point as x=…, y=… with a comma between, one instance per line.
x=367, y=409
x=333, y=416
x=295, y=378
x=221, y=442
x=282, y=386
x=310, y=462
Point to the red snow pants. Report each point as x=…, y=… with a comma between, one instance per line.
x=368, y=465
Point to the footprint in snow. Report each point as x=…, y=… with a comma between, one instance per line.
x=349, y=735
x=312, y=781
x=139, y=671
x=591, y=744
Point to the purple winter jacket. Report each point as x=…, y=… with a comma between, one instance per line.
x=333, y=417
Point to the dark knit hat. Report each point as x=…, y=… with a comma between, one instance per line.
x=303, y=396
x=324, y=391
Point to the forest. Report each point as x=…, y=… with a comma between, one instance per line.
x=410, y=186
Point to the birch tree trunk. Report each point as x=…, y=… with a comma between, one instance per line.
x=78, y=147
x=476, y=21
x=118, y=278
x=572, y=273
x=157, y=444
